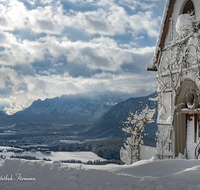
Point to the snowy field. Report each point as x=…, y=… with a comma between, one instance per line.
x=146, y=153
x=58, y=156
x=147, y=174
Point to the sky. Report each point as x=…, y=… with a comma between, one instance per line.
x=53, y=47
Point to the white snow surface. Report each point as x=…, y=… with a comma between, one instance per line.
x=58, y=156
x=147, y=174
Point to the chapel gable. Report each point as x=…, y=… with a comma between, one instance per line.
x=168, y=33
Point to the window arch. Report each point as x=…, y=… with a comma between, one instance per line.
x=188, y=7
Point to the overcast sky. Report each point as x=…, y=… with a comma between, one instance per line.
x=53, y=47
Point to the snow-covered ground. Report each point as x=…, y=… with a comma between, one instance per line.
x=57, y=156
x=146, y=153
x=147, y=174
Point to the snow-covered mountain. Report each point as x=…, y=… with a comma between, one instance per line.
x=71, y=109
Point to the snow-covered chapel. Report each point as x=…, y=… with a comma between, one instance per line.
x=177, y=62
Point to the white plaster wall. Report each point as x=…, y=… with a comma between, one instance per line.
x=163, y=63
x=197, y=7
x=164, y=140
x=164, y=113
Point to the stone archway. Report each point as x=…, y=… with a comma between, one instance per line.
x=187, y=103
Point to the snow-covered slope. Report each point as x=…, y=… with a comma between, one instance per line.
x=108, y=125
x=148, y=174
x=71, y=109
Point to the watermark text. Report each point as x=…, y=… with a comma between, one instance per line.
x=15, y=177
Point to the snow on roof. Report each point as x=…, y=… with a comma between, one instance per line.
x=151, y=65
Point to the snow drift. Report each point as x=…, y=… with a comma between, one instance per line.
x=146, y=174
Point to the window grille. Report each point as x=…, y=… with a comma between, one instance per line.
x=188, y=8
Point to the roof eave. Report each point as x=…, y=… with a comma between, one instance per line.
x=152, y=69
x=157, y=52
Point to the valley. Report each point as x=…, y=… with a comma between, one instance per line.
x=39, y=126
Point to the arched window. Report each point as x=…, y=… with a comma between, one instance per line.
x=188, y=8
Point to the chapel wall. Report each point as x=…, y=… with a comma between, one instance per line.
x=173, y=89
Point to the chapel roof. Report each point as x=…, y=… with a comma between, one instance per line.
x=152, y=65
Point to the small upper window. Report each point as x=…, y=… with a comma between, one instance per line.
x=188, y=8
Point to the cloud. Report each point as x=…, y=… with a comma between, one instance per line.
x=48, y=52
x=114, y=21
x=108, y=19
x=49, y=48
x=56, y=85
x=14, y=15
x=107, y=67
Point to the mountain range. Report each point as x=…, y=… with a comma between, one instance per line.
x=91, y=115
x=70, y=109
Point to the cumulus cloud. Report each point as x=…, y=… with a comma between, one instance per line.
x=113, y=21
x=99, y=53
x=14, y=15
x=108, y=19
